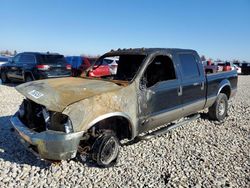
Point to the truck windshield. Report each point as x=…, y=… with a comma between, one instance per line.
x=121, y=67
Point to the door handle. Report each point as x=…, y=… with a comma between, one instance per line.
x=202, y=85
x=180, y=91
x=195, y=84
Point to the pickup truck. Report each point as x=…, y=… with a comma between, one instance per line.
x=88, y=116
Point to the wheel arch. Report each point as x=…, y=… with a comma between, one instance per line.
x=28, y=73
x=225, y=87
x=108, y=120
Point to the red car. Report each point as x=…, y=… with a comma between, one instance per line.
x=101, y=70
x=107, y=67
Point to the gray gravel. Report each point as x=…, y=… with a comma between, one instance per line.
x=201, y=154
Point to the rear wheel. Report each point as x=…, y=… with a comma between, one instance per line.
x=4, y=77
x=105, y=149
x=218, y=110
x=28, y=78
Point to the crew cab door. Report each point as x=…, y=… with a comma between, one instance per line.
x=160, y=101
x=193, y=95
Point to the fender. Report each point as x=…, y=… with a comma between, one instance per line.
x=114, y=114
x=222, y=84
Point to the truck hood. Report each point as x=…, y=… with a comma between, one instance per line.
x=57, y=94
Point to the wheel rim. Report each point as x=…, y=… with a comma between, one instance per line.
x=222, y=107
x=109, y=151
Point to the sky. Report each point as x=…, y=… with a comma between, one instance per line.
x=215, y=28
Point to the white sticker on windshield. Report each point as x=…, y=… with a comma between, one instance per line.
x=35, y=94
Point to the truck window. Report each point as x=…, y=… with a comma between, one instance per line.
x=127, y=67
x=161, y=69
x=189, y=67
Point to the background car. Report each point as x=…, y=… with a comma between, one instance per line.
x=78, y=64
x=3, y=60
x=30, y=66
x=223, y=66
x=237, y=68
x=245, y=67
x=107, y=66
x=209, y=67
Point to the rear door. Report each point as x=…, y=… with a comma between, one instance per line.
x=193, y=95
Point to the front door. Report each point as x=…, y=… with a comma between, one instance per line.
x=160, y=100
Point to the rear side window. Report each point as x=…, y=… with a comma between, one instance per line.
x=51, y=59
x=189, y=67
x=27, y=58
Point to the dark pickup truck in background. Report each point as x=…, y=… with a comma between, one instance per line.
x=152, y=87
x=28, y=66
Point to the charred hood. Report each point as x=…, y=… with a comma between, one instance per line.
x=57, y=94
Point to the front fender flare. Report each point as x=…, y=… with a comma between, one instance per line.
x=113, y=114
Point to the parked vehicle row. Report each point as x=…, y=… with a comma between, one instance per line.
x=28, y=66
x=214, y=67
x=150, y=88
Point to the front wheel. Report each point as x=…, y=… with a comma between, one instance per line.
x=218, y=110
x=105, y=149
x=4, y=77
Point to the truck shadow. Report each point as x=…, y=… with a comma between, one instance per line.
x=12, y=150
x=204, y=115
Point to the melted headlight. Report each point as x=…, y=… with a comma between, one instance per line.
x=60, y=122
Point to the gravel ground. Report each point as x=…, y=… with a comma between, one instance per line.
x=200, y=154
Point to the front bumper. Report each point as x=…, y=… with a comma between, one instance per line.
x=51, y=145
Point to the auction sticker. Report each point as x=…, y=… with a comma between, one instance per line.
x=36, y=94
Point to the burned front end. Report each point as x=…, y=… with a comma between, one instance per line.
x=48, y=134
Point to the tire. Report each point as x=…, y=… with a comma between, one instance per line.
x=4, y=78
x=28, y=78
x=105, y=149
x=218, y=110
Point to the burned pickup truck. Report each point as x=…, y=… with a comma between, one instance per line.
x=63, y=117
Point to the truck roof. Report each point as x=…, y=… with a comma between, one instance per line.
x=146, y=51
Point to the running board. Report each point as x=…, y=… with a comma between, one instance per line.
x=164, y=130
